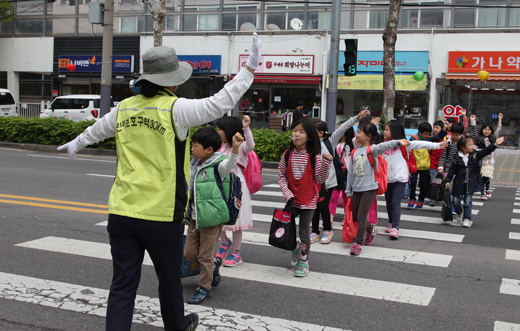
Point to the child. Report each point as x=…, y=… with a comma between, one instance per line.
x=487, y=137
x=344, y=148
x=457, y=130
x=465, y=172
x=361, y=184
x=435, y=154
x=299, y=180
x=423, y=164
x=398, y=173
x=205, y=224
x=333, y=181
x=228, y=127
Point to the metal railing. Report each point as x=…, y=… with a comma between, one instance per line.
x=29, y=110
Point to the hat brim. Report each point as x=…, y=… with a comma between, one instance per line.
x=174, y=78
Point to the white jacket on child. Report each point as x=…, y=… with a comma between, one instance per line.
x=397, y=166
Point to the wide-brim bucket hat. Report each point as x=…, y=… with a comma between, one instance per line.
x=162, y=67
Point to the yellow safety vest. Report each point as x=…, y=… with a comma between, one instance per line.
x=148, y=183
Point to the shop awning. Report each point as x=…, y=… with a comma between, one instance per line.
x=268, y=79
x=495, y=77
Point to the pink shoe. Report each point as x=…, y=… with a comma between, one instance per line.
x=388, y=228
x=394, y=234
x=223, y=249
x=233, y=260
x=356, y=249
x=369, y=239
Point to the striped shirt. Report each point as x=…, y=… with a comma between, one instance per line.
x=299, y=160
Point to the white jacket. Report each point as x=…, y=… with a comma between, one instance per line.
x=397, y=166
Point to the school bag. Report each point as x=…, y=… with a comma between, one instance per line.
x=379, y=174
x=410, y=160
x=341, y=177
x=282, y=233
x=234, y=201
x=253, y=173
x=437, y=188
x=349, y=226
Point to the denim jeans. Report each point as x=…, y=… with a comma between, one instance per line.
x=393, y=195
x=407, y=189
x=433, y=174
x=468, y=202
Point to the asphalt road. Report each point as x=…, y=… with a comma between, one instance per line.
x=435, y=277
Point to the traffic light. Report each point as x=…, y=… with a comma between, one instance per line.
x=350, y=66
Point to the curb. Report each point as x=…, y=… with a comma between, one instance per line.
x=86, y=151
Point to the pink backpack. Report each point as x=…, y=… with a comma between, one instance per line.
x=253, y=173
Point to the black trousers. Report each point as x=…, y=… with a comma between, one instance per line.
x=129, y=238
x=323, y=210
x=424, y=184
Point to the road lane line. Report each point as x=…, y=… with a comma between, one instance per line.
x=512, y=254
x=54, y=206
x=93, y=301
x=98, y=175
x=56, y=201
x=515, y=221
x=68, y=158
x=510, y=286
x=440, y=236
x=514, y=235
x=516, y=211
x=504, y=326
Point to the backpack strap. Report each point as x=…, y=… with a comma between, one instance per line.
x=327, y=144
x=219, y=181
x=352, y=154
x=371, y=159
x=287, y=155
x=405, y=154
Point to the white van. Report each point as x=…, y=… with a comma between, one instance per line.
x=75, y=107
x=8, y=105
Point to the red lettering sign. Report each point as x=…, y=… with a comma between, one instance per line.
x=495, y=62
x=450, y=111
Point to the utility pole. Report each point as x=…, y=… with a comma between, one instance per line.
x=332, y=95
x=106, y=65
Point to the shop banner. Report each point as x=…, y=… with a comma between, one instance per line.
x=498, y=62
x=283, y=64
x=405, y=61
x=92, y=63
x=375, y=82
x=203, y=64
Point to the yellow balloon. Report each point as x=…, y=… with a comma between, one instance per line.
x=483, y=75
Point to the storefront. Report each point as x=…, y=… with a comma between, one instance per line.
x=281, y=82
x=77, y=65
x=365, y=90
x=499, y=94
x=206, y=78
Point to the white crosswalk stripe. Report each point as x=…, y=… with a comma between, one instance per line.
x=512, y=254
x=510, y=286
x=514, y=235
x=504, y=326
x=515, y=221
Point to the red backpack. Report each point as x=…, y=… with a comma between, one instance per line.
x=410, y=160
x=379, y=174
x=253, y=173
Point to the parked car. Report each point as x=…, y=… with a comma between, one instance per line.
x=75, y=107
x=8, y=105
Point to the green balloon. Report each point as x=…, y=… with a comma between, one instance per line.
x=418, y=76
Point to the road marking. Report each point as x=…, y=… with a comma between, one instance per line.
x=515, y=221
x=98, y=175
x=54, y=206
x=512, y=254
x=93, y=301
x=514, y=235
x=510, y=286
x=440, y=236
x=68, y=158
x=503, y=326
x=516, y=211
x=517, y=203
x=272, y=185
x=56, y=201
x=510, y=170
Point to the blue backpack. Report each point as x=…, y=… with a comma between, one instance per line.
x=234, y=201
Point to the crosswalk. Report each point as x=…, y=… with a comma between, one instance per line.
x=92, y=301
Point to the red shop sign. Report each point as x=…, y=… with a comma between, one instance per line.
x=451, y=111
x=498, y=62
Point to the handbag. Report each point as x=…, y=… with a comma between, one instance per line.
x=437, y=188
x=446, y=214
x=349, y=226
x=282, y=233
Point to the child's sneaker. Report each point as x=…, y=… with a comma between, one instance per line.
x=233, y=260
x=193, y=322
x=432, y=203
x=419, y=204
x=388, y=228
x=411, y=204
x=369, y=239
x=314, y=238
x=467, y=223
x=223, y=249
x=327, y=237
x=356, y=249
x=483, y=196
x=453, y=211
x=302, y=270
x=459, y=217
x=296, y=254
x=394, y=234
x=216, y=275
x=199, y=296
x=488, y=194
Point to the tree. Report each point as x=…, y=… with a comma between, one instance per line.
x=158, y=16
x=6, y=10
x=389, y=40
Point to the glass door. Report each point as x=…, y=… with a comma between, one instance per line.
x=256, y=104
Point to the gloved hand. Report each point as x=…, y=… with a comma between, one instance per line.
x=72, y=147
x=253, y=61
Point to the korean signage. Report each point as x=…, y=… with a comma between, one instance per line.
x=375, y=82
x=203, y=64
x=92, y=63
x=498, y=62
x=372, y=61
x=283, y=64
x=452, y=111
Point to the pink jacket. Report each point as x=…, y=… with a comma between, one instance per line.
x=243, y=151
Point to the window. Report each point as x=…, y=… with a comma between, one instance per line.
x=319, y=17
x=515, y=14
x=465, y=17
x=34, y=26
x=6, y=27
x=378, y=19
x=190, y=19
x=492, y=17
x=73, y=2
x=229, y=20
x=208, y=22
x=410, y=18
x=35, y=86
x=128, y=24
x=276, y=20
x=170, y=23
x=248, y=17
x=431, y=18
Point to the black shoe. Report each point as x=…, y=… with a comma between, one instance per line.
x=216, y=275
x=193, y=322
x=199, y=296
